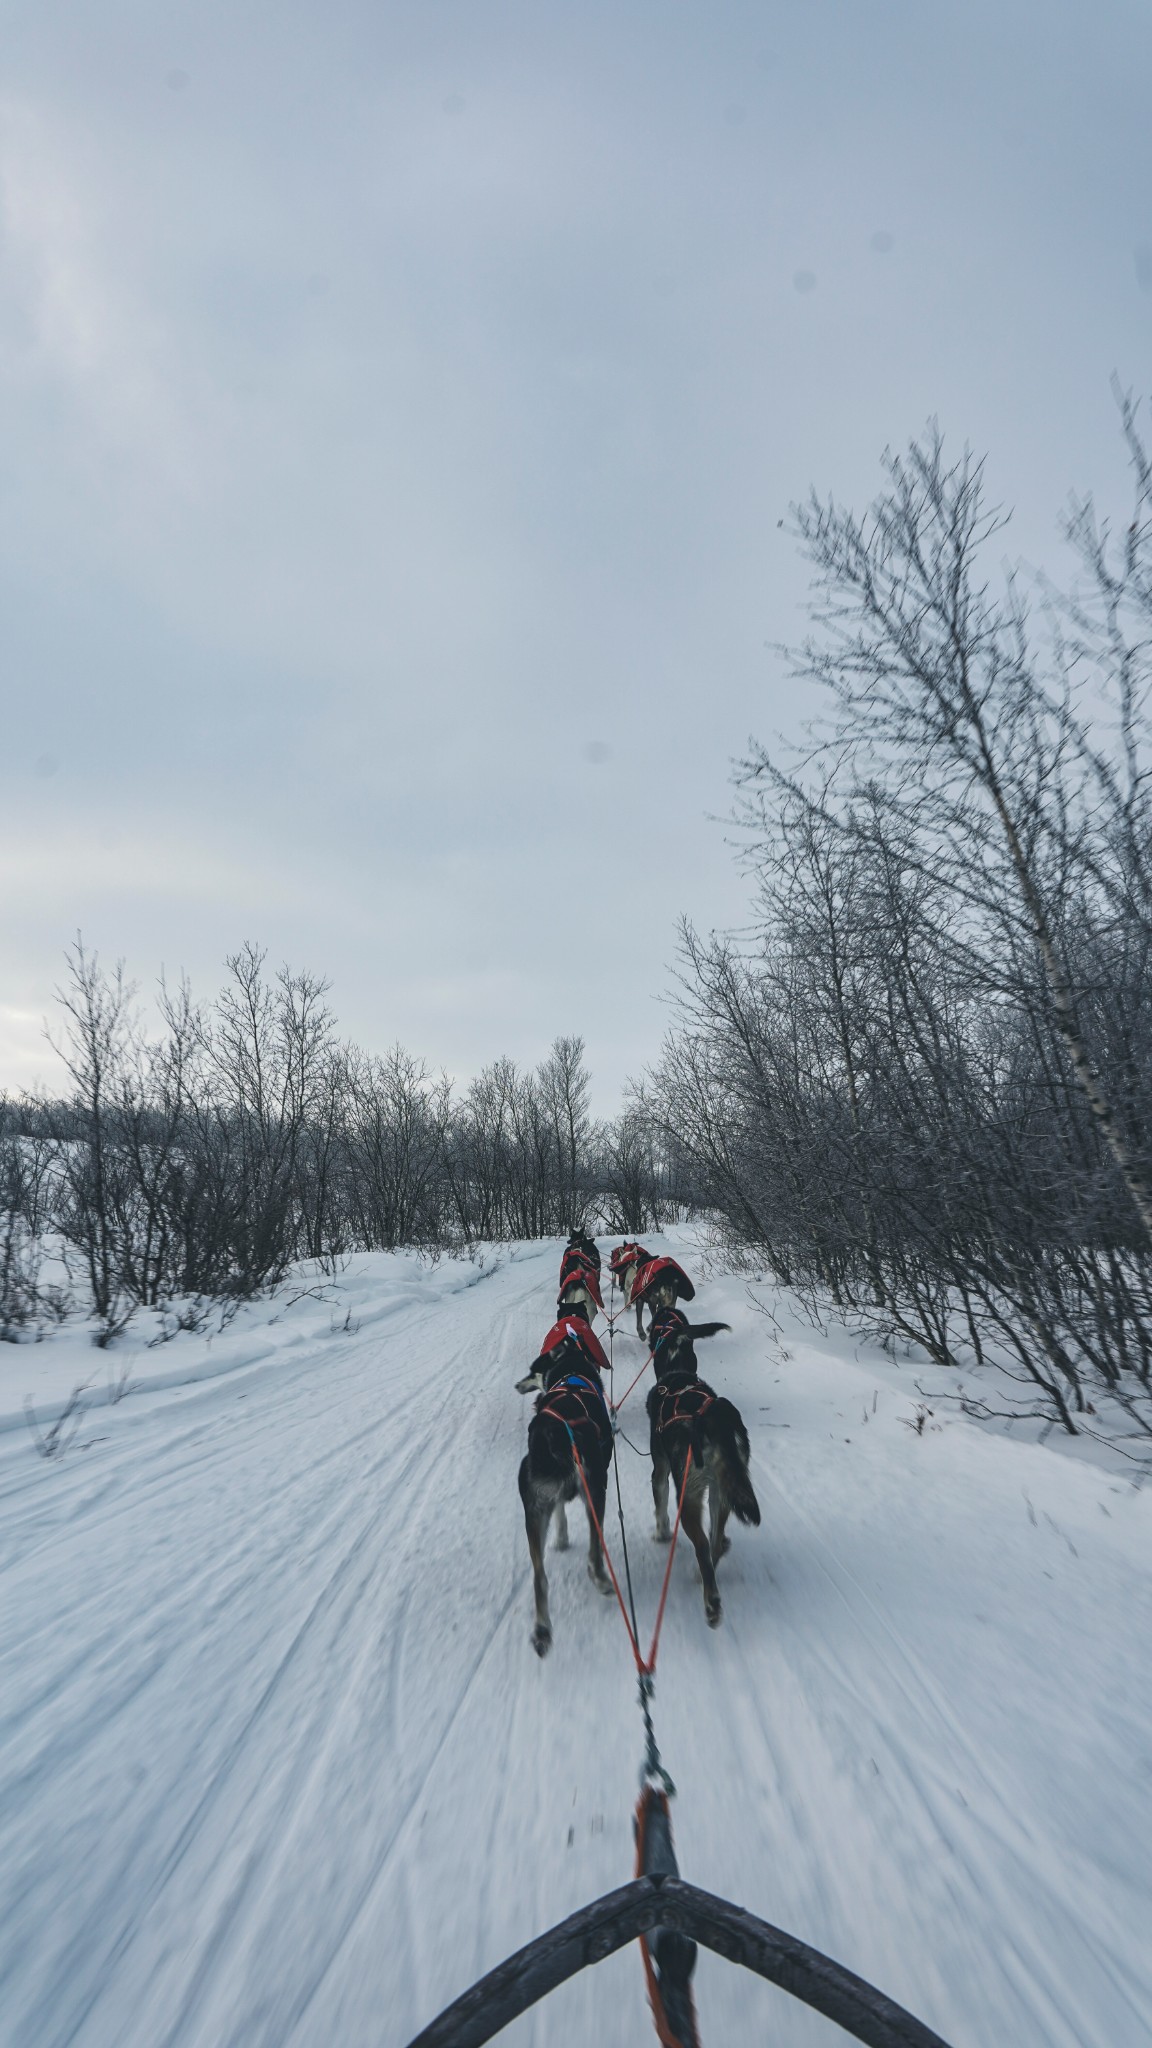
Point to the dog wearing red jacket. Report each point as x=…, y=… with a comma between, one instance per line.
x=571, y=1421
x=626, y=1264
x=577, y=1271
x=662, y=1283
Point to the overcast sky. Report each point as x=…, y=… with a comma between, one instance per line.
x=399, y=402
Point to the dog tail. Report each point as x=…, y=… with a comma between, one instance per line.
x=705, y=1329
x=729, y=1432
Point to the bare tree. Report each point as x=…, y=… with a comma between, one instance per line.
x=96, y=1047
x=922, y=1087
x=637, y=1181
x=25, y=1208
x=942, y=705
x=564, y=1087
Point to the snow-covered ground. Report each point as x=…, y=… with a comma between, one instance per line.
x=278, y=1765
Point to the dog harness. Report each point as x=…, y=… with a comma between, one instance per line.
x=689, y=1404
x=665, y=1323
x=573, y=1393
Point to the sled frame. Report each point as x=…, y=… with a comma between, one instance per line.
x=646, y=1906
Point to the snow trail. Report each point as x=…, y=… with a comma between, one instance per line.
x=278, y=1765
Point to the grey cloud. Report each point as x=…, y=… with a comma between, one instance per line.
x=401, y=407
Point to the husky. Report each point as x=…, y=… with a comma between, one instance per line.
x=627, y=1263
x=577, y=1267
x=670, y=1323
x=684, y=1413
x=579, y=1240
x=662, y=1283
x=571, y=1420
x=574, y=1312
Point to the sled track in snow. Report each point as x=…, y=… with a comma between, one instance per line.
x=277, y=1763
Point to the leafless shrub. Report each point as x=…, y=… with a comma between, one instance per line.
x=54, y=1441
x=922, y=1090
x=191, y=1318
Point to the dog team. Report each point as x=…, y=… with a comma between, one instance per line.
x=571, y=1437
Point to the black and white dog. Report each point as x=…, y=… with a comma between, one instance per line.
x=575, y=1309
x=686, y=1415
x=579, y=1240
x=571, y=1420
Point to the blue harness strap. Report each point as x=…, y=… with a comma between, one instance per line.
x=593, y=1386
x=581, y=1388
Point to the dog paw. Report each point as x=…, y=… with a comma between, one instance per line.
x=725, y=1547
x=601, y=1584
x=541, y=1641
x=562, y=1542
x=661, y=1535
x=713, y=1613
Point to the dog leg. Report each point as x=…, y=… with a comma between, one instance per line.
x=599, y=1490
x=719, y=1503
x=720, y=1511
x=693, y=1524
x=561, y=1542
x=661, y=1474
x=536, y=1522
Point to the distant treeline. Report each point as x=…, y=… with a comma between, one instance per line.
x=202, y=1160
x=919, y=1088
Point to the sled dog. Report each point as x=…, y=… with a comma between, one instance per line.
x=685, y=1414
x=576, y=1304
x=662, y=1282
x=627, y=1263
x=571, y=1420
x=576, y=1265
x=579, y=1240
x=586, y=1281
